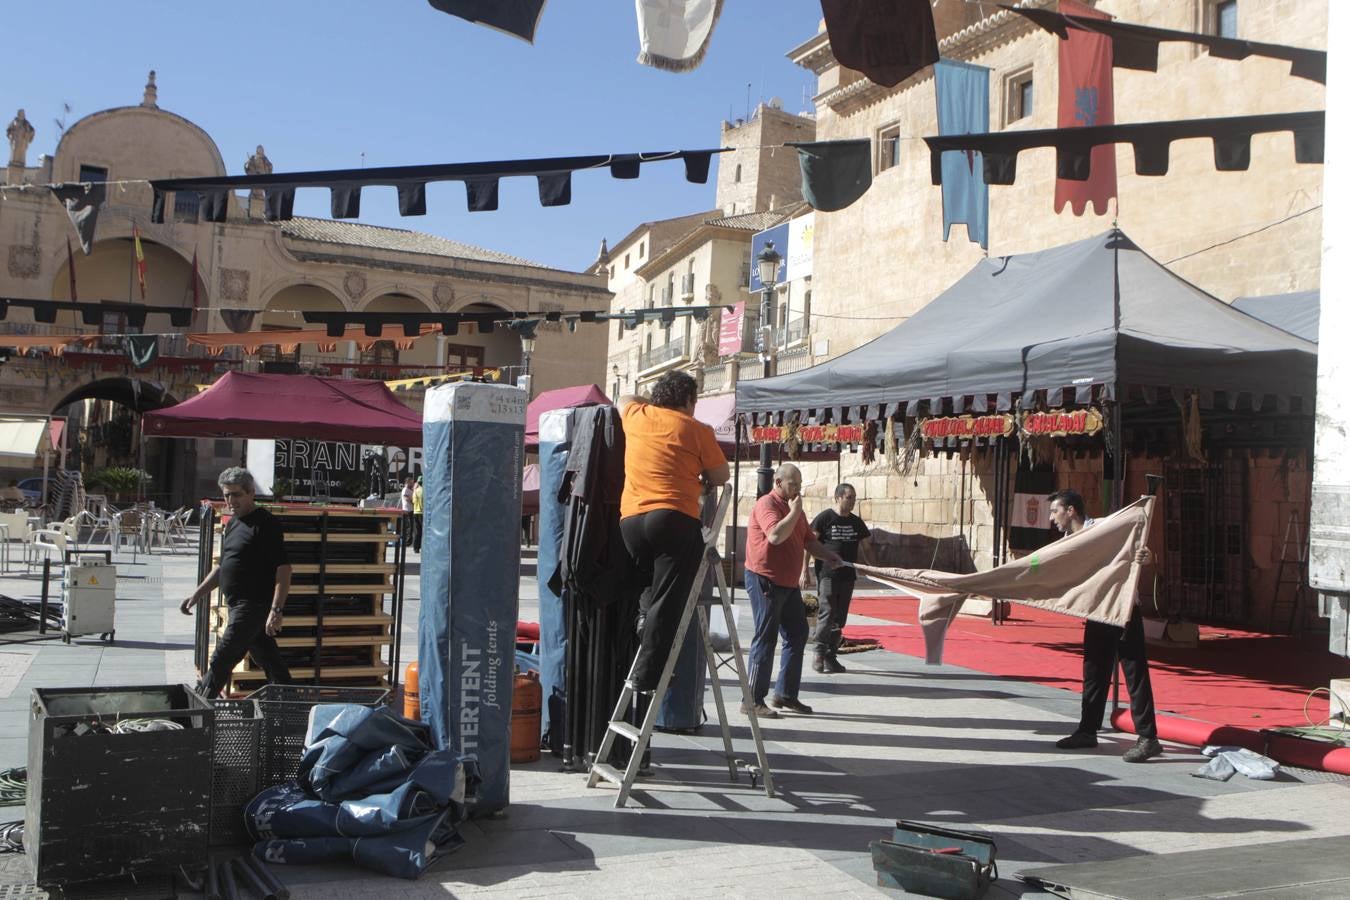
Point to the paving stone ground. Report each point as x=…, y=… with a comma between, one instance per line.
x=891, y=739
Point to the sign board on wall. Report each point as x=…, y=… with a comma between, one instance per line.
x=729, y=340
x=780, y=237
x=292, y=468
x=801, y=234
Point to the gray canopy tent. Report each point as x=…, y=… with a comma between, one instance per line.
x=1295, y=313
x=1097, y=321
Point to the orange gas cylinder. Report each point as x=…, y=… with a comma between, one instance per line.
x=412, y=703
x=527, y=702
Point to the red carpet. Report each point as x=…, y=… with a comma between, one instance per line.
x=1233, y=677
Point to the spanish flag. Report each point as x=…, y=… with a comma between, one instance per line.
x=140, y=258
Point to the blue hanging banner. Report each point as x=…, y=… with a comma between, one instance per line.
x=963, y=108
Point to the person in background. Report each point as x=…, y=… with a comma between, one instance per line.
x=254, y=577
x=1102, y=646
x=405, y=503
x=667, y=453
x=774, y=541
x=839, y=530
x=417, y=515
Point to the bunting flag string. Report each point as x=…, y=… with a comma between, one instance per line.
x=1136, y=46
x=1151, y=142
x=554, y=175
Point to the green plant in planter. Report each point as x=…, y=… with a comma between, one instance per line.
x=120, y=480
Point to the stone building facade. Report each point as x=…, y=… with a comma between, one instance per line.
x=1231, y=233
x=265, y=273
x=704, y=258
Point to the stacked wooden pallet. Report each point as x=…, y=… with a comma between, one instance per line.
x=340, y=616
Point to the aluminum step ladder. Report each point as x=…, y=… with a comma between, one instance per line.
x=602, y=770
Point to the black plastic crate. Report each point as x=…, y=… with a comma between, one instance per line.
x=285, y=712
x=236, y=773
x=103, y=804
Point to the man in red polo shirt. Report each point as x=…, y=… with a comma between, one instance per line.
x=775, y=539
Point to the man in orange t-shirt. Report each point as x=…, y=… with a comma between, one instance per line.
x=774, y=541
x=667, y=453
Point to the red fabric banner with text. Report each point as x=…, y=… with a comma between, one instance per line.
x=1086, y=98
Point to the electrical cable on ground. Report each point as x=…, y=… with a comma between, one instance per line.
x=11, y=837
x=13, y=786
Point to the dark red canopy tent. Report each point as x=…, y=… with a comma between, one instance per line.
x=561, y=398
x=303, y=407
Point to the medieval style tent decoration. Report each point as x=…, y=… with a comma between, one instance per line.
x=1098, y=319
x=962, y=91
x=1136, y=46
x=480, y=180
x=82, y=202
x=1086, y=98
x=1151, y=141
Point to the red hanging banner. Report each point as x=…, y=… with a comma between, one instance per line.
x=1086, y=98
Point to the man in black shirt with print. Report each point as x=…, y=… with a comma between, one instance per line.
x=841, y=531
x=254, y=576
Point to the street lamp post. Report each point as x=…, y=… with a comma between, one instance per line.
x=526, y=329
x=768, y=261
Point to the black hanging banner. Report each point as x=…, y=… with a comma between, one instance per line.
x=480, y=179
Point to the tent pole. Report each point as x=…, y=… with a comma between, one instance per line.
x=735, y=512
x=1117, y=458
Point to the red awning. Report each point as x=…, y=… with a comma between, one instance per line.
x=241, y=405
x=561, y=398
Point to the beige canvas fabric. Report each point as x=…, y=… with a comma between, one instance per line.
x=1091, y=574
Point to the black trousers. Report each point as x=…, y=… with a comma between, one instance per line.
x=245, y=634
x=835, y=595
x=417, y=532
x=666, y=547
x=1102, y=646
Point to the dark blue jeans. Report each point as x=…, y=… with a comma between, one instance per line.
x=776, y=610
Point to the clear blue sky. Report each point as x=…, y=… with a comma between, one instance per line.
x=318, y=84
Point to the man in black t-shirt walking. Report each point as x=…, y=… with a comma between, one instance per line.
x=841, y=531
x=254, y=576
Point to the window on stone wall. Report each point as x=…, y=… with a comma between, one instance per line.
x=92, y=174
x=1017, y=103
x=1220, y=18
x=738, y=173
x=642, y=250
x=185, y=204
x=626, y=264
x=888, y=148
x=380, y=353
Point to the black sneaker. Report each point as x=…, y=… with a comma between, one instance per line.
x=833, y=666
x=761, y=711
x=1077, y=741
x=795, y=705
x=1143, y=749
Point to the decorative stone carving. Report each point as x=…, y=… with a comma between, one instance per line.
x=257, y=164
x=444, y=294
x=24, y=262
x=20, y=133
x=234, y=285
x=354, y=283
